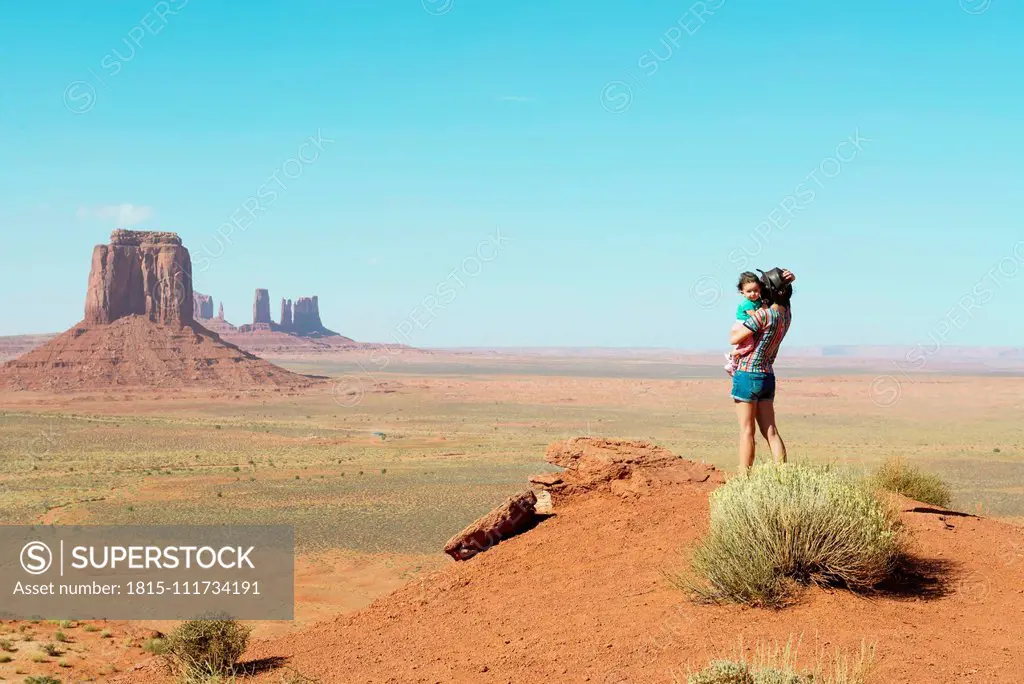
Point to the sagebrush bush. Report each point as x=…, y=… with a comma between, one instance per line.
x=793, y=523
x=897, y=476
x=209, y=648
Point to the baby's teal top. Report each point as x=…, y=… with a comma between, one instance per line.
x=745, y=308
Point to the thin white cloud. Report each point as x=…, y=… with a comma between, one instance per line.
x=121, y=215
x=516, y=98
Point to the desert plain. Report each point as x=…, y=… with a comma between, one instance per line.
x=375, y=468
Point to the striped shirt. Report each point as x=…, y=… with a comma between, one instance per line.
x=769, y=326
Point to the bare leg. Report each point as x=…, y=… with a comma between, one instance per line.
x=745, y=414
x=765, y=411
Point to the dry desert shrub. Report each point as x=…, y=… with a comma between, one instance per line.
x=897, y=476
x=796, y=523
x=206, y=650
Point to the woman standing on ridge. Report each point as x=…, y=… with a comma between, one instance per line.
x=753, y=383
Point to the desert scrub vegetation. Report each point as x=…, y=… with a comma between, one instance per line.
x=895, y=475
x=777, y=665
x=780, y=526
x=156, y=646
x=204, y=650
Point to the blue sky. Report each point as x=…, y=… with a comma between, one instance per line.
x=634, y=156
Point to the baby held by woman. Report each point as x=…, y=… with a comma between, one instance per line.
x=750, y=288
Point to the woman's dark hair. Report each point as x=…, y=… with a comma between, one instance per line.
x=747, y=277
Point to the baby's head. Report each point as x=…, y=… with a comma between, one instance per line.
x=750, y=286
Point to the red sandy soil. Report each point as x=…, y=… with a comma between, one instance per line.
x=109, y=648
x=331, y=583
x=583, y=597
x=134, y=351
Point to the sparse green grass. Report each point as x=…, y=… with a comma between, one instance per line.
x=5, y=658
x=896, y=475
x=60, y=636
x=39, y=658
x=41, y=679
x=105, y=634
x=291, y=676
x=50, y=650
x=778, y=665
x=7, y=645
x=156, y=646
x=780, y=526
x=91, y=628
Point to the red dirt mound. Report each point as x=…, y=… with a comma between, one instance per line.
x=134, y=351
x=583, y=597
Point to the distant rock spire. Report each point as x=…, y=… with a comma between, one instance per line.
x=261, y=307
x=286, y=314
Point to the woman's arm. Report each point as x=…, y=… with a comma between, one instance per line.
x=741, y=333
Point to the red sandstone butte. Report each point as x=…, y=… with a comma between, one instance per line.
x=202, y=305
x=139, y=330
x=140, y=273
x=307, y=315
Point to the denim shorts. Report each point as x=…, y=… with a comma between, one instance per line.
x=749, y=387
